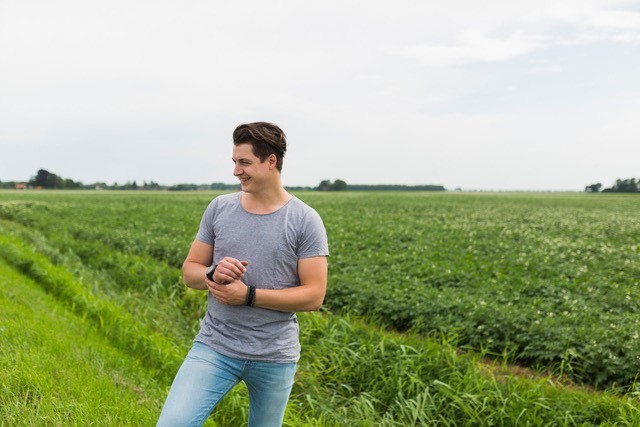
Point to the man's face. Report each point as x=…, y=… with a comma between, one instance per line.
x=251, y=172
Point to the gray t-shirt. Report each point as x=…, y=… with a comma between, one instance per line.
x=272, y=244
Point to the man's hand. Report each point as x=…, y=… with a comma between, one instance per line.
x=227, y=287
x=229, y=269
x=233, y=293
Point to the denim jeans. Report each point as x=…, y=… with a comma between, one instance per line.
x=206, y=376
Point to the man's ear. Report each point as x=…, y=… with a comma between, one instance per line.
x=272, y=161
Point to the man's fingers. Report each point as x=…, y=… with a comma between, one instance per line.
x=230, y=274
x=233, y=268
x=210, y=285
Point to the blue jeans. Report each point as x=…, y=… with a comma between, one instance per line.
x=206, y=376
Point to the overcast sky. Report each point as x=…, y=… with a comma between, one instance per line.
x=531, y=95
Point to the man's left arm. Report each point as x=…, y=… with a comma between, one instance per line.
x=309, y=296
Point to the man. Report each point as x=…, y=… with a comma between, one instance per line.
x=266, y=254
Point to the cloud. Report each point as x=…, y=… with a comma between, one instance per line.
x=615, y=19
x=499, y=34
x=473, y=46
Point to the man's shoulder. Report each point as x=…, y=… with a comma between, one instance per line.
x=221, y=203
x=304, y=213
x=301, y=206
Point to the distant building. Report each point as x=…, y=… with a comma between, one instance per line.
x=21, y=186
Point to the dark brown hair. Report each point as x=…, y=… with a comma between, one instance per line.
x=265, y=138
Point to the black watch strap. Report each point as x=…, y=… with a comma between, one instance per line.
x=210, y=272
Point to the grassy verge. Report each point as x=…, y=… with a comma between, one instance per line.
x=115, y=322
x=57, y=370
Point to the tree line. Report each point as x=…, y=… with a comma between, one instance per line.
x=48, y=180
x=340, y=185
x=51, y=181
x=630, y=185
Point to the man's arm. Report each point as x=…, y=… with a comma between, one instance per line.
x=195, y=266
x=309, y=296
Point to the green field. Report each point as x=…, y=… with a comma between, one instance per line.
x=425, y=289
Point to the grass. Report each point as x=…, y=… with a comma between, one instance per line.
x=115, y=322
x=57, y=370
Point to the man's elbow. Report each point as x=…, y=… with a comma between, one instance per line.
x=186, y=274
x=314, y=306
x=316, y=302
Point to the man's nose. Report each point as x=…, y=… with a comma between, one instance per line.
x=237, y=170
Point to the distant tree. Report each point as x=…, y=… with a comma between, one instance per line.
x=593, y=188
x=325, y=185
x=151, y=185
x=46, y=179
x=71, y=184
x=42, y=179
x=624, y=186
x=338, y=185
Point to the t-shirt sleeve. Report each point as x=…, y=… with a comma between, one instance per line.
x=313, y=239
x=206, y=233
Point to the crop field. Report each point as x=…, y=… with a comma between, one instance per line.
x=442, y=309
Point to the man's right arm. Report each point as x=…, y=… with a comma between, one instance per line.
x=195, y=266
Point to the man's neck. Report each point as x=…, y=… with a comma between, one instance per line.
x=265, y=201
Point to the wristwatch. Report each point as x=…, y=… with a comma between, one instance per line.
x=210, y=272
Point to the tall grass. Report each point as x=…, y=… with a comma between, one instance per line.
x=366, y=375
x=56, y=370
x=115, y=322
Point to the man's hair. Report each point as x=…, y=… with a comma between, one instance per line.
x=265, y=138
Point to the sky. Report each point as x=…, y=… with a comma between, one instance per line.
x=478, y=95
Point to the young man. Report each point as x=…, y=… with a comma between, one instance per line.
x=266, y=253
